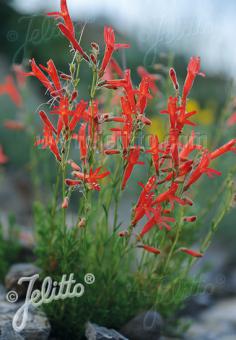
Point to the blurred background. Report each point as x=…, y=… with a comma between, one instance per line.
x=161, y=33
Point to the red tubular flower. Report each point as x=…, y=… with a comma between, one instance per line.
x=188, y=148
x=49, y=141
x=36, y=72
x=113, y=83
x=143, y=94
x=125, y=105
x=64, y=113
x=157, y=219
x=192, y=71
x=112, y=152
x=142, y=72
x=173, y=111
x=72, y=182
x=232, y=119
x=109, y=38
x=66, y=32
x=77, y=114
x=150, y=249
x=3, y=157
x=13, y=125
x=9, y=88
x=91, y=178
x=147, y=188
x=165, y=196
x=177, y=121
x=130, y=92
x=74, y=165
x=154, y=150
x=64, y=14
x=144, y=119
x=173, y=77
x=190, y=218
x=174, y=129
x=65, y=203
x=125, y=132
x=113, y=119
x=170, y=197
x=52, y=72
x=145, y=200
x=92, y=117
x=191, y=252
x=82, y=141
x=201, y=169
x=184, y=169
x=230, y=146
x=46, y=121
x=131, y=162
x=126, y=84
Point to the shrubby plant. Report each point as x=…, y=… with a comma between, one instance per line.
x=98, y=144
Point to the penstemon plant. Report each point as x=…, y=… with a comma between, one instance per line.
x=97, y=147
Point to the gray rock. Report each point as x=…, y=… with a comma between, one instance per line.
x=216, y=323
x=223, y=311
x=2, y=292
x=227, y=288
x=147, y=325
x=210, y=331
x=37, y=326
x=8, y=333
x=196, y=304
x=95, y=332
x=15, y=273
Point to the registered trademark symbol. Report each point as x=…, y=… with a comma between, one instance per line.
x=89, y=278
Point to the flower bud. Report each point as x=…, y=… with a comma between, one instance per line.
x=72, y=68
x=123, y=233
x=173, y=77
x=95, y=46
x=93, y=59
x=74, y=95
x=65, y=76
x=190, y=218
x=82, y=223
x=65, y=203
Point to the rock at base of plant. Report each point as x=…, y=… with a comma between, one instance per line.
x=2, y=292
x=8, y=333
x=18, y=271
x=147, y=325
x=95, y=332
x=37, y=326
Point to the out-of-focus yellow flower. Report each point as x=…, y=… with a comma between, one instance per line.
x=204, y=115
x=192, y=105
x=157, y=127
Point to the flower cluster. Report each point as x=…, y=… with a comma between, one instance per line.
x=176, y=165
